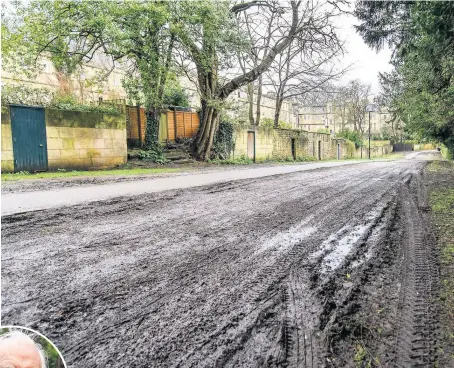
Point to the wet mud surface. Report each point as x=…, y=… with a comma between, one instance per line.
x=32, y=185
x=325, y=268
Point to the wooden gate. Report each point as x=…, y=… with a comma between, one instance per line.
x=28, y=127
x=251, y=145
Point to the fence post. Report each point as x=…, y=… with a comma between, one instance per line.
x=139, y=125
x=175, y=121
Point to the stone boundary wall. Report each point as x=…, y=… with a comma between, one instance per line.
x=264, y=141
x=75, y=140
x=423, y=146
x=276, y=144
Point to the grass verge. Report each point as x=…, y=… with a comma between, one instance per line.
x=70, y=174
x=440, y=175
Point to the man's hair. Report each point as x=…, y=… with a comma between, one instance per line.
x=17, y=333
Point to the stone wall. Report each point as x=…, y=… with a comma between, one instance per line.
x=423, y=146
x=263, y=141
x=378, y=151
x=76, y=140
x=276, y=144
x=7, y=142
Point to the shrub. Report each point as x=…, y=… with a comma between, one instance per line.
x=351, y=147
x=174, y=95
x=69, y=102
x=353, y=136
x=268, y=122
x=154, y=155
x=26, y=95
x=32, y=96
x=285, y=125
x=323, y=130
x=242, y=160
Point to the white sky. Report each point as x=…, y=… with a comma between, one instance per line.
x=367, y=62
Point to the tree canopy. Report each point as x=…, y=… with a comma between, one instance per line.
x=421, y=88
x=201, y=38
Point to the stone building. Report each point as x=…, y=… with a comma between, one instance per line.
x=326, y=117
x=97, y=79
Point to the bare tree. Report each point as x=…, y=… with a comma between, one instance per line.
x=259, y=27
x=349, y=105
x=358, y=95
x=205, y=34
x=306, y=67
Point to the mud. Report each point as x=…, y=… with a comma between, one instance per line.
x=32, y=185
x=328, y=268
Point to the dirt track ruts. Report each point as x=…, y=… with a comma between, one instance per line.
x=310, y=269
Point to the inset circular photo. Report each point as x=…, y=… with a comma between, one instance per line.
x=21, y=347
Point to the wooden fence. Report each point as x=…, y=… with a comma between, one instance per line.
x=173, y=125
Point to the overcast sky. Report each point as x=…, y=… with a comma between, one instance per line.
x=368, y=63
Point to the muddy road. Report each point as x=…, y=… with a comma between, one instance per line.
x=325, y=268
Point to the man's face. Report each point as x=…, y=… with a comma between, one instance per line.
x=17, y=352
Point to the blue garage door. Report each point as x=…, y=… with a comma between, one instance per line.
x=28, y=128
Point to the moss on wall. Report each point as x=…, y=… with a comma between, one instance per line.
x=84, y=119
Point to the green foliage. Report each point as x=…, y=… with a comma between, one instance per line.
x=284, y=125
x=299, y=158
x=51, y=353
x=152, y=131
x=73, y=32
x=351, y=148
x=32, y=96
x=154, y=155
x=323, y=130
x=70, y=102
x=446, y=153
x=26, y=95
x=91, y=173
x=174, y=95
x=351, y=135
x=224, y=143
x=268, y=122
x=242, y=160
x=420, y=90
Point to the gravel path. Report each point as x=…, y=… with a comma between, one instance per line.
x=319, y=268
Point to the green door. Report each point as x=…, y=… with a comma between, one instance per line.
x=28, y=128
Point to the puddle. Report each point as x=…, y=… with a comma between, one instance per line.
x=286, y=239
x=343, y=247
x=339, y=245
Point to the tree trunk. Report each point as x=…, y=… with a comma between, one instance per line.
x=203, y=142
x=250, y=97
x=259, y=99
x=152, y=128
x=277, y=112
